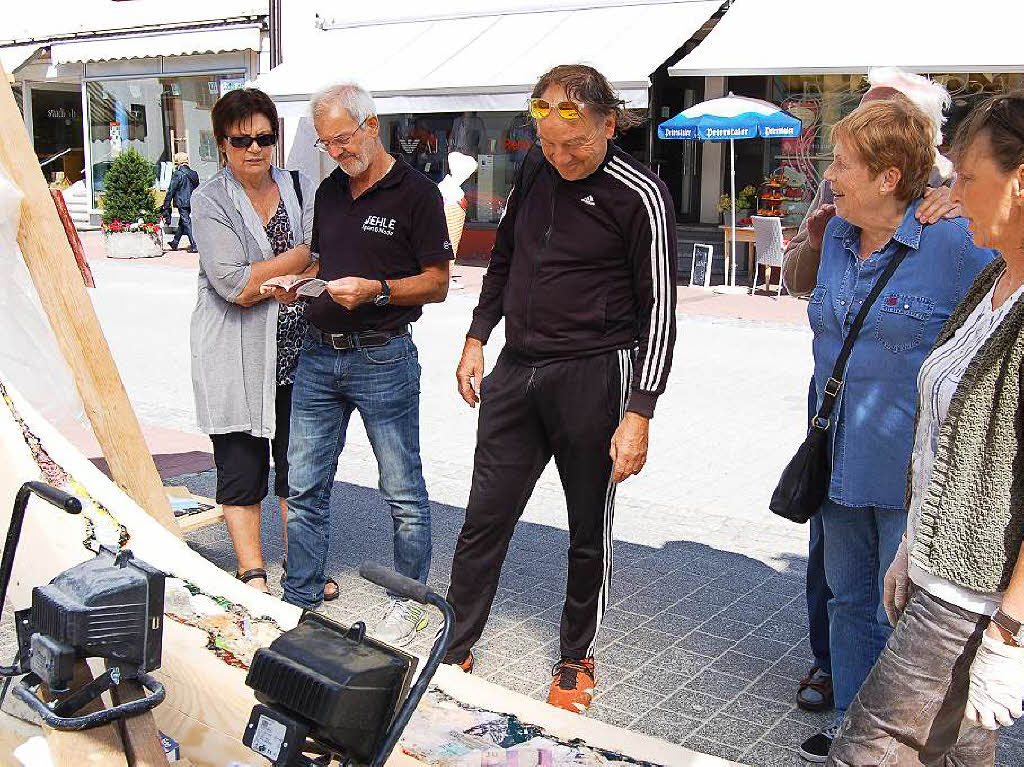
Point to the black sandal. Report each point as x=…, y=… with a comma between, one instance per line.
x=815, y=691
x=330, y=581
x=251, y=575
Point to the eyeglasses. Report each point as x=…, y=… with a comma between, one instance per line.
x=567, y=110
x=338, y=141
x=244, y=142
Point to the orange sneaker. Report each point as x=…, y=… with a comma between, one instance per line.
x=467, y=664
x=572, y=685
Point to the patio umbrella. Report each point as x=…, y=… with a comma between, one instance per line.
x=727, y=119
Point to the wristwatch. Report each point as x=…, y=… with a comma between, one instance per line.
x=385, y=294
x=1010, y=625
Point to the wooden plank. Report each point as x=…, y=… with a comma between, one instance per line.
x=139, y=734
x=73, y=239
x=96, y=747
x=44, y=245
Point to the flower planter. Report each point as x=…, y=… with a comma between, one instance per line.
x=133, y=244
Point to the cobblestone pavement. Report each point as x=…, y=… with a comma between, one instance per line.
x=706, y=636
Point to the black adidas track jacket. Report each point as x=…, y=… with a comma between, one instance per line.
x=586, y=267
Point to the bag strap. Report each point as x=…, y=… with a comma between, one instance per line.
x=297, y=185
x=834, y=384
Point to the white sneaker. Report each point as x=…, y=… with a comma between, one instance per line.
x=400, y=620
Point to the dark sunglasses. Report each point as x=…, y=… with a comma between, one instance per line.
x=244, y=142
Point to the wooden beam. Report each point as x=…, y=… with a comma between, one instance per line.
x=52, y=265
x=96, y=747
x=140, y=736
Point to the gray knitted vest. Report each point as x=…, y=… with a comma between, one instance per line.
x=972, y=516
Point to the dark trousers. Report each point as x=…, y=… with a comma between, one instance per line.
x=184, y=228
x=568, y=410
x=818, y=595
x=818, y=592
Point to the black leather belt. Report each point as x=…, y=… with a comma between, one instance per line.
x=361, y=339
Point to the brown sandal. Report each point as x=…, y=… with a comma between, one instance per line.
x=815, y=691
x=251, y=575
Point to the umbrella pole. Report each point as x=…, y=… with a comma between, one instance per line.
x=732, y=164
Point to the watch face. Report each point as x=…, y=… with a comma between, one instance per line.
x=382, y=299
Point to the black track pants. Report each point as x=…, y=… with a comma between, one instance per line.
x=568, y=410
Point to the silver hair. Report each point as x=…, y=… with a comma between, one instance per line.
x=350, y=96
x=927, y=95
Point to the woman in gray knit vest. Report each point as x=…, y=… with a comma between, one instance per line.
x=953, y=670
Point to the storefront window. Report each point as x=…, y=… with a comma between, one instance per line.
x=820, y=101
x=497, y=140
x=157, y=116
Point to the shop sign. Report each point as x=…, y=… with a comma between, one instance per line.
x=231, y=84
x=115, y=139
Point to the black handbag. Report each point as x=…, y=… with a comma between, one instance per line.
x=804, y=482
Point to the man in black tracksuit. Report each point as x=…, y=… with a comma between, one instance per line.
x=583, y=272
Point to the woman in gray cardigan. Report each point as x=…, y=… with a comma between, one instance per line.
x=953, y=670
x=253, y=221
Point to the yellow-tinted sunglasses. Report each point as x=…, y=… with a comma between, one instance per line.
x=567, y=110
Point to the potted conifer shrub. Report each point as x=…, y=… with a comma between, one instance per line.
x=131, y=217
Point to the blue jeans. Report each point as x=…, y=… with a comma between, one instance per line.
x=860, y=544
x=383, y=384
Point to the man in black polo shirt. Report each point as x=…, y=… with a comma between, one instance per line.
x=380, y=232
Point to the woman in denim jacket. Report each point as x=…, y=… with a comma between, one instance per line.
x=956, y=652
x=883, y=158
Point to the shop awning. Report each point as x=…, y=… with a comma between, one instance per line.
x=756, y=37
x=488, y=61
x=233, y=38
x=12, y=57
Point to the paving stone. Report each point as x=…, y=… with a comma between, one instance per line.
x=731, y=731
x=613, y=716
x=627, y=697
x=721, y=626
x=713, y=748
x=1009, y=753
x=682, y=661
x=693, y=704
x=751, y=709
x=819, y=720
x=792, y=666
x=705, y=644
x=753, y=612
x=768, y=650
x=690, y=612
x=790, y=733
x=651, y=640
x=660, y=681
x=621, y=620
x=513, y=682
x=711, y=595
x=781, y=631
x=667, y=725
x=773, y=687
x=763, y=754
x=624, y=655
x=718, y=684
x=743, y=666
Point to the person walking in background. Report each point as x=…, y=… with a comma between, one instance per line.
x=883, y=156
x=955, y=590
x=184, y=180
x=800, y=274
x=583, y=273
x=382, y=241
x=254, y=222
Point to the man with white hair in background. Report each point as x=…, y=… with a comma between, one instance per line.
x=800, y=272
x=380, y=234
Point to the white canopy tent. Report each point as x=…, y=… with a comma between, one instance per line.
x=487, y=60
x=813, y=37
x=229, y=38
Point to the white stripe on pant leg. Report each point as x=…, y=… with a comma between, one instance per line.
x=625, y=370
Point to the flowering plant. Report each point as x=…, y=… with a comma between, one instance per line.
x=132, y=226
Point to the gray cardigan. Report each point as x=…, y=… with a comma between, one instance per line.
x=234, y=348
x=971, y=522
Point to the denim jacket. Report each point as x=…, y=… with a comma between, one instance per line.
x=873, y=434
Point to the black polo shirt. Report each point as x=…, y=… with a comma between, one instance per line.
x=392, y=230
